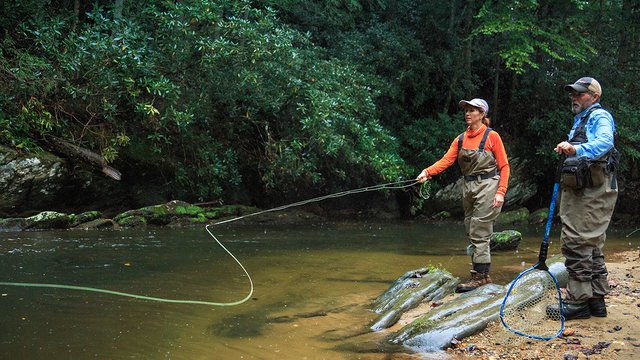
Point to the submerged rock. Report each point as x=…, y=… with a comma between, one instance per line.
x=410, y=290
x=458, y=318
x=468, y=314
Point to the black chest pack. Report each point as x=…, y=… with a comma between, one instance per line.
x=580, y=172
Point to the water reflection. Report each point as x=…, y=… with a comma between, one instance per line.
x=313, y=284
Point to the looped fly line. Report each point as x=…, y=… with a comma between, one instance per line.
x=393, y=185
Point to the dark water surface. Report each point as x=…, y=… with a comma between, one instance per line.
x=313, y=288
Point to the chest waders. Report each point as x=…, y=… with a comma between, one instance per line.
x=585, y=215
x=481, y=177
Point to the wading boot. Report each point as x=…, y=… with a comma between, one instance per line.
x=597, y=306
x=477, y=279
x=571, y=311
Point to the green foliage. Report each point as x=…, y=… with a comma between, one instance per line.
x=427, y=140
x=296, y=97
x=210, y=87
x=550, y=128
x=32, y=121
x=628, y=138
x=526, y=28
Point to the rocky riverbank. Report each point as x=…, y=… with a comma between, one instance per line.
x=173, y=214
x=612, y=337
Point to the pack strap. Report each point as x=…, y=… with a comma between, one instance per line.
x=482, y=142
x=580, y=132
x=484, y=139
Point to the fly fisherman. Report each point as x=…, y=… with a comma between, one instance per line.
x=589, y=193
x=483, y=161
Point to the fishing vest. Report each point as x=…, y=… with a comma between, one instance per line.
x=580, y=172
x=580, y=133
x=477, y=164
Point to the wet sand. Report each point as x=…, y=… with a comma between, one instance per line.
x=616, y=336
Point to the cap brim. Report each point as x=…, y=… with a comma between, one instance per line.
x=574, y=87
x=462, y=103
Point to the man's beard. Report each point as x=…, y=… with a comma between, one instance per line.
x=576, y=109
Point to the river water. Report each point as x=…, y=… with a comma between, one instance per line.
x=313, y=288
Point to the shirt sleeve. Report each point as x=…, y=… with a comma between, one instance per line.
x=449, y=158
x=600, y=128
x=501, y=159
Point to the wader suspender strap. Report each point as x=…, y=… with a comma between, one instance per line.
x=484, y=139
x=482, y=142
x=580, y=134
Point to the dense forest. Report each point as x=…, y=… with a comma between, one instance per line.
x=269, y=101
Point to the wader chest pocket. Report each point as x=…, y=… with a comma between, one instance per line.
x=574, y=172
x=578, y=173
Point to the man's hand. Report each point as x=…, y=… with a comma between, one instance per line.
x=565, y=148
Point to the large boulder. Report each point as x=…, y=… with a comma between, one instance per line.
x=467, y=314
x=29, y=182
x=521, y=189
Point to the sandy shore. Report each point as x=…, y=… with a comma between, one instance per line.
x=616, y=336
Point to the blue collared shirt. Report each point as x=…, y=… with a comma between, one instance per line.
x=600, y=128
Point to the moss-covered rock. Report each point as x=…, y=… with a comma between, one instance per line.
x=132, y=221
x=97, y=224
x=48, y=220
x=442, y=215
x=517, y=216
x=189, y=210
x=161, y=214
x=505, y=240
x=83, y=218
x=539, y=216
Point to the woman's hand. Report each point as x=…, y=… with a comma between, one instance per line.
x=498, y=200
x=424, y=176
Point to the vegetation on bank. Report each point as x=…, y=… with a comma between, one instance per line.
x=269, y=101
x=173, y=213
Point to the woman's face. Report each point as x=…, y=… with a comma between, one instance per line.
x=473, y=116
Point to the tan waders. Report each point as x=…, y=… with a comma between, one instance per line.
x=585, y=216
x=478, y=192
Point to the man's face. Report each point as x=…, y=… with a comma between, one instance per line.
x=581, y=101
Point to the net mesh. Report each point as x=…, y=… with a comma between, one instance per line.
x=531, y=308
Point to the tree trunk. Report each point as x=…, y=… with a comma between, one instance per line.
x=496, y=87
x=82, y=155
x=629, y=47
x=117, y=10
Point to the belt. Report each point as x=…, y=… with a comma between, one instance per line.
x=479, y=177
